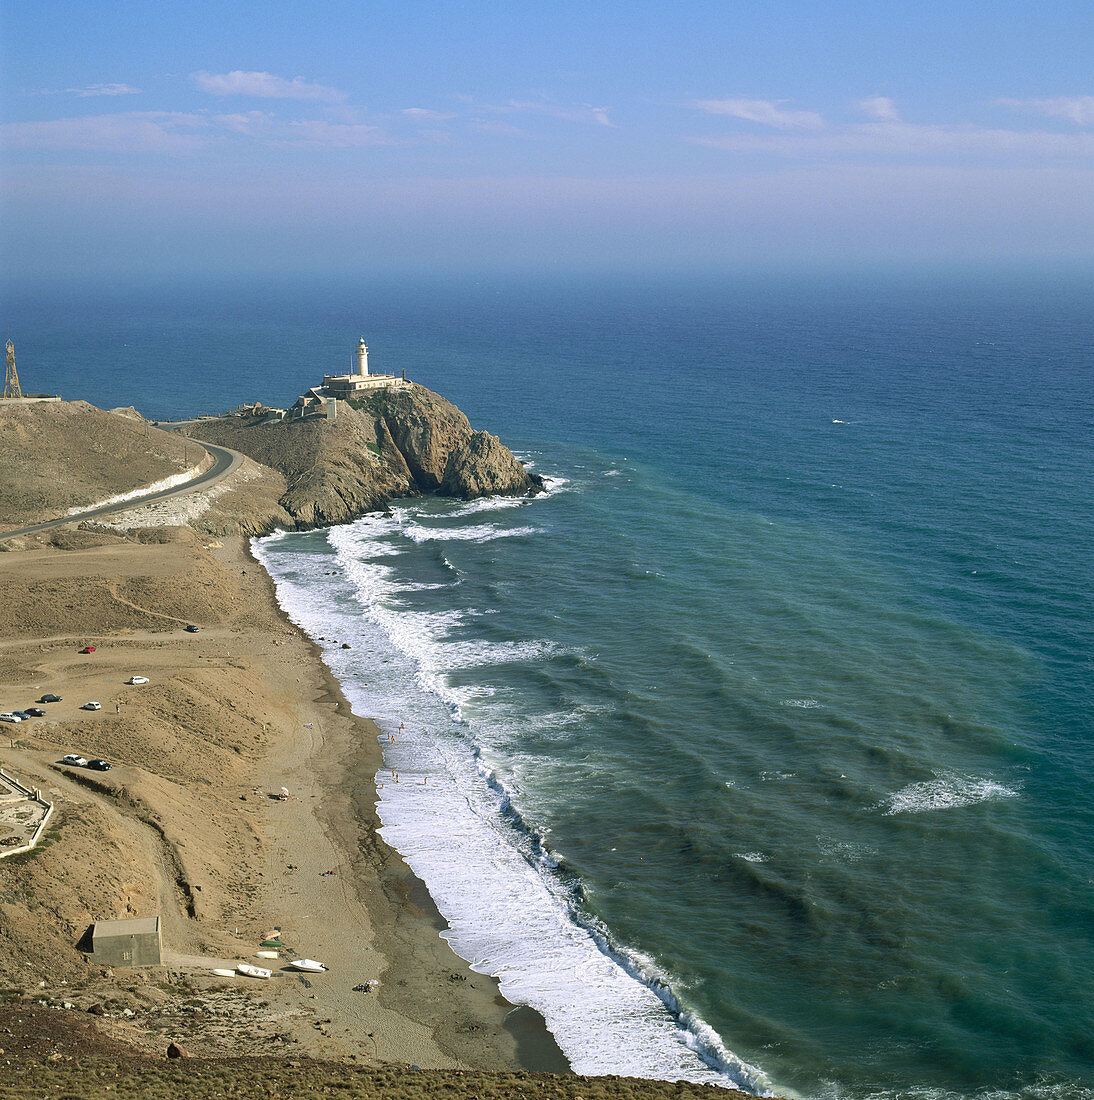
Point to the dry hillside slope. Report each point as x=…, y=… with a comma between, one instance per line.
x=69, y=454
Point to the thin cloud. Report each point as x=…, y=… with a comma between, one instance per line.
x=879, y=107
x=178, y=134
x=422, y=114
x=768, y=112
x=582, y=112
x=163, y=132
x=906, y=140
x=333, y=135
x=264, y=86
x=105, y=89
x=1076, y=108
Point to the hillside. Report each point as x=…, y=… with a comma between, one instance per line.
x=69, y=454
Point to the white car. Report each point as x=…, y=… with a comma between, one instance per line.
x=137, y=680
x=10, y=718
x=92, y=706
x=72, y=758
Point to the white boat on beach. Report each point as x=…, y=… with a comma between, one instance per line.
x=220, y=972
x=267, y=955
x=253, y=971
x=310, y=965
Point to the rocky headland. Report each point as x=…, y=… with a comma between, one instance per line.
x=404, y=442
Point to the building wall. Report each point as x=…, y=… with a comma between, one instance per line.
x=116, y=946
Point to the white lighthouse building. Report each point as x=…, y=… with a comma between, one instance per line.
x=358, y=384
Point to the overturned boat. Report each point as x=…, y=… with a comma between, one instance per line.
x=253, y=971
x=310, y=965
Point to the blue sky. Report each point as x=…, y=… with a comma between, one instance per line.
x=190, y=137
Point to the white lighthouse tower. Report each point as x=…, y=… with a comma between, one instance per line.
x=359, y=383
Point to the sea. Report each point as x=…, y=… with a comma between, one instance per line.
x=758, y=749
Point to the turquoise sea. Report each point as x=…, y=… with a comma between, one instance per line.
x=759, y=749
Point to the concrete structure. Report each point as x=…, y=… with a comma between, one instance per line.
x=24, y=815
x=133, y=942
x=346, y=386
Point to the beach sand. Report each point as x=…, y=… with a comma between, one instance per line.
x=185, y=824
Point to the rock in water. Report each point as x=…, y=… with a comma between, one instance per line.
x=482, y=466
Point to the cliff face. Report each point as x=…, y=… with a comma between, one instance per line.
x=407, y=442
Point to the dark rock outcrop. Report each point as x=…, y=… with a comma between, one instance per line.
x=404, y=442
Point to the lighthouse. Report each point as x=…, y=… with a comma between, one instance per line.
x=358, y=383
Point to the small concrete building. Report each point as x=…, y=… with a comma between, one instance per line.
x=134, y=942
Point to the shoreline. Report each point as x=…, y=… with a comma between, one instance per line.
x=405, y=911
x=186, y=824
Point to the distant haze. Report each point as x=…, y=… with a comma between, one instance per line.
x=414, y=137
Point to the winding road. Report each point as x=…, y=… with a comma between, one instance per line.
x=224, y=463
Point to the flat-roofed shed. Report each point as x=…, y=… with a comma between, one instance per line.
x=133, y=942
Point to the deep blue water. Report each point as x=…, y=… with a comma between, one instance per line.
x=777, y=704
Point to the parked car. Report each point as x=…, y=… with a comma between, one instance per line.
x=50, y=699
x=88, y=649
x=35, y=712
x=191, y=629
x=72, y=758
x=137, y=680
x=92, y=706
x=99, y=765
x=10, y=718
x=24, y=715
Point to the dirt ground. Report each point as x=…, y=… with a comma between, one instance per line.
x=185, y=824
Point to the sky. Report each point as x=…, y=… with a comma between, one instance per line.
x=331, y=136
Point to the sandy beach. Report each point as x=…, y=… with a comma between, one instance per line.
x=186, y=824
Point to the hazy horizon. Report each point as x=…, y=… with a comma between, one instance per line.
x=401, y=138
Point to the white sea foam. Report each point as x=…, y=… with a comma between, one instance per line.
x=418, y=532
x=945, y=792
x=510, y=920
x=804, y=704
x=845, y=851
x=445, y=810
x=488, y=504
x=752, y=857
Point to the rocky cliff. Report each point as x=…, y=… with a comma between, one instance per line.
x=405, y=442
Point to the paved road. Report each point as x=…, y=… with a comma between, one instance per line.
x=224, y=463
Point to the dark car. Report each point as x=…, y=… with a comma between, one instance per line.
x=50, y=699
x=35, y=712
x=191, y=629
x=88, y=649
x=99, y=765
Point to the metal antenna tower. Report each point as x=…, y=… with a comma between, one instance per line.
x=11, y=378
